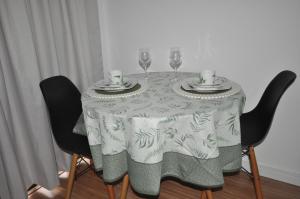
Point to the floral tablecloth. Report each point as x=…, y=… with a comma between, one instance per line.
x=159, y=133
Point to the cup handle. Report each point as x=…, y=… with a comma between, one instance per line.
x=201, y=79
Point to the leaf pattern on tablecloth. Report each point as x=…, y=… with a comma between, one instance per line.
x=210, y=141
x=170, y=132
x=230, y=123
x=118, y=125
x=109, y=128
x=141, y=115
x=181, y=140
x=171, y=118
x=199, y=120
x=198, y=153
x=146, y=138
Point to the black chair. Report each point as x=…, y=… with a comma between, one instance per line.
x=64, y=106
x=255, y=124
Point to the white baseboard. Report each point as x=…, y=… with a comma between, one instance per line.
x=275, y=173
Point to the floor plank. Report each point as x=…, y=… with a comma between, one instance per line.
x=236, y=186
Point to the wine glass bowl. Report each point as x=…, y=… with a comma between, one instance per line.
x=144, y=59
x=175, y=59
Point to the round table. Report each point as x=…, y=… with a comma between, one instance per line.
x=160, y=133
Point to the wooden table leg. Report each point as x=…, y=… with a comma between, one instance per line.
x=125, y=184
x=111, y=191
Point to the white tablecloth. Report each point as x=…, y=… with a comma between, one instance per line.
x=160, y=133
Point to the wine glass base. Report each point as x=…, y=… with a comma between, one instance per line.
x=174, y=79
x=146, y=75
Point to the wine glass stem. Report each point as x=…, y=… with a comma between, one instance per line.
x=146, y=74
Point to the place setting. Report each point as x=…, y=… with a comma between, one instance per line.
x=116, y=86
x=206, y=86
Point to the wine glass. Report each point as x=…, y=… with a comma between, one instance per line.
x=175, y=60
x=144, y=60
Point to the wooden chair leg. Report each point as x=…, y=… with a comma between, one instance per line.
x=206, y=194
x=125, y=184
x=71, y=176
x=255, y=173
x=209, y=194
x=111, y=191
x=203, y=195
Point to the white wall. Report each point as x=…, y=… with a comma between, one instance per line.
x=247, y=41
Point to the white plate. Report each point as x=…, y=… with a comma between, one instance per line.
x=193, y=84
x=92, y=93
x=235, y=88
x=107, y=86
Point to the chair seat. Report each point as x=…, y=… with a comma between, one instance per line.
x=76, y=144
x=253, y=129
x=80, y=126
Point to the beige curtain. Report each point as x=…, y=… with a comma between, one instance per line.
x=39, y=39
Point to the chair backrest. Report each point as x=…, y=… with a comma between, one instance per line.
x=64, y=105
x=276, y=88
x=267, y=105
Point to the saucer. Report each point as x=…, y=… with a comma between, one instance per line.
x=193, y=84
x=206, y=94
x=105, y=85
x=140, y=87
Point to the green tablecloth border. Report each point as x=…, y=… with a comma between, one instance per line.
x=145, y=178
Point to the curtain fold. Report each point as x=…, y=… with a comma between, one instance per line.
x=39, y=39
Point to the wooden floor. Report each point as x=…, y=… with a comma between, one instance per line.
x=89, y=186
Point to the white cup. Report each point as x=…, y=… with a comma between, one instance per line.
x=207, y=77
x=116, y=77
